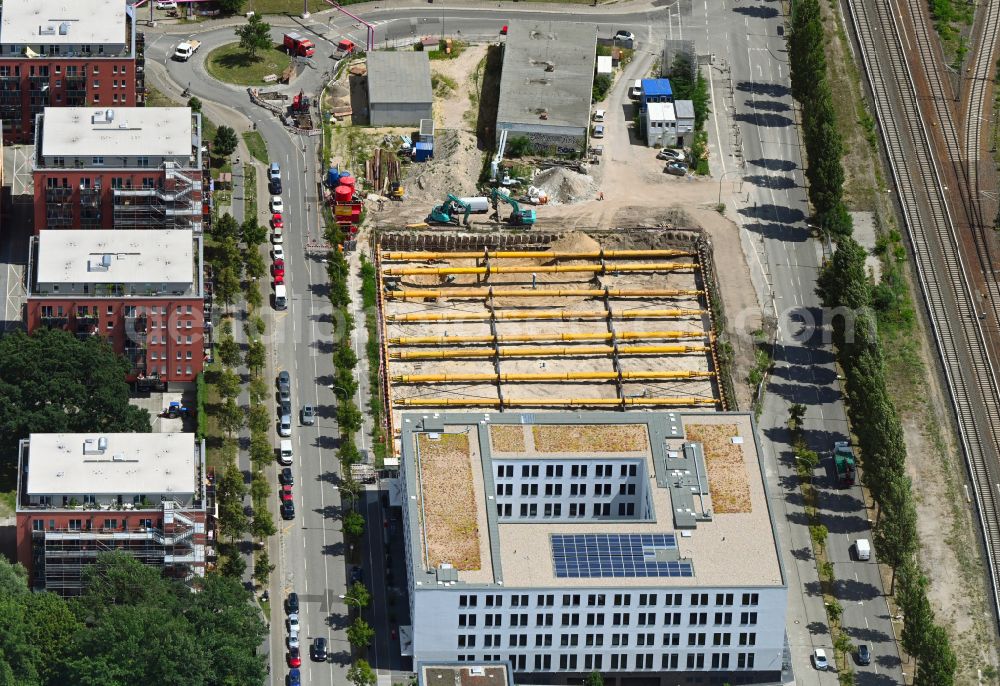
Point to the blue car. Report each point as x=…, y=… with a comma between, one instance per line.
x=294, y=677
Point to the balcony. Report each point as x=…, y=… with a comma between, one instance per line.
x=136, y=323
x=61, y=194
x=54, y=321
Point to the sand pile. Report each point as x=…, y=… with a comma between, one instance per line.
x=565, y=186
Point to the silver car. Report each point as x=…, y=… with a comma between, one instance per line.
x=308, y=415
x=285, y=426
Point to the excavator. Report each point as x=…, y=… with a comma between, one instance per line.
x=447, y=212
x=519, y=216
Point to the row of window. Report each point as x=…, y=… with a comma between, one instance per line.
x=617, y=661
x=600, y=599
x=128, y=311
x=615, y=640
x=71, y=70
x=543, y=619
x=555, y=510
x=507, y=489
x=506, y=471
x=97, y=98
x=110, y=524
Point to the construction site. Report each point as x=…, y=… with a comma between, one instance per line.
x=505, y=320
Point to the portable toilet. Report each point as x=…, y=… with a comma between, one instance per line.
x=424, y=151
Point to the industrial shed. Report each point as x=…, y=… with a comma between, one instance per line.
x=399, y=88
x=547, y=82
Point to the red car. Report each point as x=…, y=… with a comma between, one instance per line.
x=286, y=492
x=294, y=660
x=503, y=31
x=279, y=279
x=278, y=268
x=276, y=221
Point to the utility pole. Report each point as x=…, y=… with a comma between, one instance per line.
x=305, y=9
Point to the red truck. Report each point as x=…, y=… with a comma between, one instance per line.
x=344, y=48
x=297, y=44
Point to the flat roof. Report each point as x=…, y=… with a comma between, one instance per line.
x=656, y=87
x=115, y=256
x=129, y=132
x=684, y=109
x=72, y=463
x=395, y=77
x=548, y=69
x=604, y=64
x=735, y=545
x=62, y=22
x=448, y=674
x=660, y=111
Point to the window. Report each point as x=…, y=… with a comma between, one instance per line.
x=646, y=618
x=465, y=641
x=668, y=661
x=723, y=617
x=578, y=489
x=699, y=599
x=602, y=509
x=595, y=619
x=38, y=525
x=577, y=509
x=620, y=619
x=578, y=470
x=647, y=599
x=110, y=325
x=619, y=639
x=505, y=489
x=672, y=639
x=75, y=524
x=626, y=489
x=545, y=600
x=744, y=660
x=97, y=84
x=543, y=619
x=503, y=510
x=748, y=618
x=626, y=509
x=628, y=470
x=553, y=489
x=570, y=619
x=494, y=601
x=569, y=600
x=519, y=600
x=505, y=471
x=644, y=640
x=721, y=639
x=619, y=661
x=543, y=640
x=644, y=661
x=602, y=489
x=697, y=618
x=723, y=598
x=143, y=161
x=464, y=600
x=671, y=618
x=529, y=470
x=494, y=620
x=695, y=661
x=553, y=470
x=750, y=598
x=748, y=639
x=529, y=489
x=595, y=599
x=99, y=160
x=519, y=620
x=467, y=620
x=595, y=639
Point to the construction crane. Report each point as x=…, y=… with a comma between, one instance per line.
x=447, y=212
x=518, y=217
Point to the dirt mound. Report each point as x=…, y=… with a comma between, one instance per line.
x=575, y=241
x=565, y=186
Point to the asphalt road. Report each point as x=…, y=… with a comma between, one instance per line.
x=771, y=210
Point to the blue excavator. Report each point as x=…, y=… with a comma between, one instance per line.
x=519, y=216
x=448, y=212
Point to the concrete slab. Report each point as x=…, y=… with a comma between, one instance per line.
x=156, y=403
x=866, y=234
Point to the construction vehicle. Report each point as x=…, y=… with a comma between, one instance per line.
x=297, y=44
x=344, y=48
x=186, y=49
x=396, y=191
x=519, y=216
x=843, y=460
x=447, y=212
x=300, y=111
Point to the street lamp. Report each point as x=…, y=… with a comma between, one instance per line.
x=305, y=9
x=721, y=178
x=349, y=600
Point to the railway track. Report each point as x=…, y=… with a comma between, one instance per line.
x=977, y=94
x=947, y=293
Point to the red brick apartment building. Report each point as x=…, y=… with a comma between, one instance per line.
x=82, y=494
x=144, y=291
x=119, y=168
x=66, y=53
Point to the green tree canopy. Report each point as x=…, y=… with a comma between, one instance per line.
x=593, y=679
x=194, y=103
x=225, y=141
x=253, y=233
x=843, y=281
x=361, y=674
x=254, y=36
x=360, y=633
x=354, y=524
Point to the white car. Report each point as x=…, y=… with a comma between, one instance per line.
x=166, y=5
x=671, y=155
x=293, y=639
x=624, y=35
x=293, y=624
x=277, y=236
x=819, y=660
x=279, y=252
x=599, y=115
x=276, y=204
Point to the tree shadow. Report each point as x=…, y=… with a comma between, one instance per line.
x=771, y=181
x=806, y=374
x=774, y=90
x=757, y=12
x=323, y=347
x=341, y=657
x=866, y=634
x=817, y=628
x=774, y=165
x=778, y=232
x=767, y=105
x=849, y=589
x=320, y=290
x=325, y=442
x=840, y=501
x=804, y=553
x=801, y=354
x=765, y=119
x=774, y=213
x=329, y=511
x=336, y=549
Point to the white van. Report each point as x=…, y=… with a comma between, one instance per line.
x=635, y=92
x=863, y=549
x=285, y=452
x=280, y=297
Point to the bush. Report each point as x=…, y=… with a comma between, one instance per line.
x=602, y=84
x=202, y=430
x=518, y=146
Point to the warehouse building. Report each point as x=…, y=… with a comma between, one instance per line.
x=546, y=84
x=641, y=546
x=399, y=88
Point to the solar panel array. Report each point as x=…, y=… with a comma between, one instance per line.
x=615, y=555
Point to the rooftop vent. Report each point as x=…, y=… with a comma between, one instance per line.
x=47, y=30
x=477, y=671
x=64, y=28
x=95, y=446
x=101, y=264
x=118, y=457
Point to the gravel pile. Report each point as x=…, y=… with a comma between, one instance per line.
x=565, y=186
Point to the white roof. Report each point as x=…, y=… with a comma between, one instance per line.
x=661, y=111
x=130, y=463
x=604, y=64
x=115, y=256
x=116, y=132
x=63, y=22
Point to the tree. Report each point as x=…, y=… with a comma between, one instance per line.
x=593, y=679
x=230, y=491
x=843, y=643
x=354, y=525
x=262, y=525
x=796, y=413
x=358, y=595
x=230, y=416
x=230, y=6
x=233, y=565
x=258, y=419
x=255, y=299
x=194, y=103
x=361, y=674
x=227, y=285
x=258, y=390
x=255, y=35
x=805, y=48
x=348, y=416
x=843, y=281
x=602, y=84
x=225, y=141
x=344, y=356
x=256, y=356
x=226, y=227
x=229, y=384
x=916, y=609
x=262, y=568
x=937, y=661
x=260, y=490
x=344, y=383
x=896, y=533
x=229, y=351
x=518, y=146
x=253, y=233
x=360, y=633
x=261, y=451
x=253, y=264
x=53, y=382
x=349, y=489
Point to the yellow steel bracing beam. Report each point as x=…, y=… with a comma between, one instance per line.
x=543, y=269
x=547, y=351
x=554, y=402
x=406, y=294
x=565, y=315
x=549, y=376
x=531, y=337
x=537, y=255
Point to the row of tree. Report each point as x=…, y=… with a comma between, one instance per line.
x=824, y=147
x=844, y=287
x=130, y=626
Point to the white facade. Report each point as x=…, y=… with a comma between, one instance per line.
x=725, y=616
x=661, y=125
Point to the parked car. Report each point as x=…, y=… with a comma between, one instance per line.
x=275, y=186
x=288, y=510
x=357, y=575
x=599, y=115
x=165, y=5
x=308, y=415
x=819, y=660
x=293, y=622
x=599, y=131
x=277, y=221
x=278, y=236
x=294, y=677
x=318, y=649
x=292, y=603
x=284, y=407
x=273, y=171
x=676, y=168
x=864, y=654
x=294, y=659
x=286, y=476
x=279, y=252
x=279, y=279
x=285, y=493
x=670, y=154
x=276, y=205
x=284, y=390
x=278, y=268
x=503, y=30
x=624, y=35
x=292, y=641
x=285, y=426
